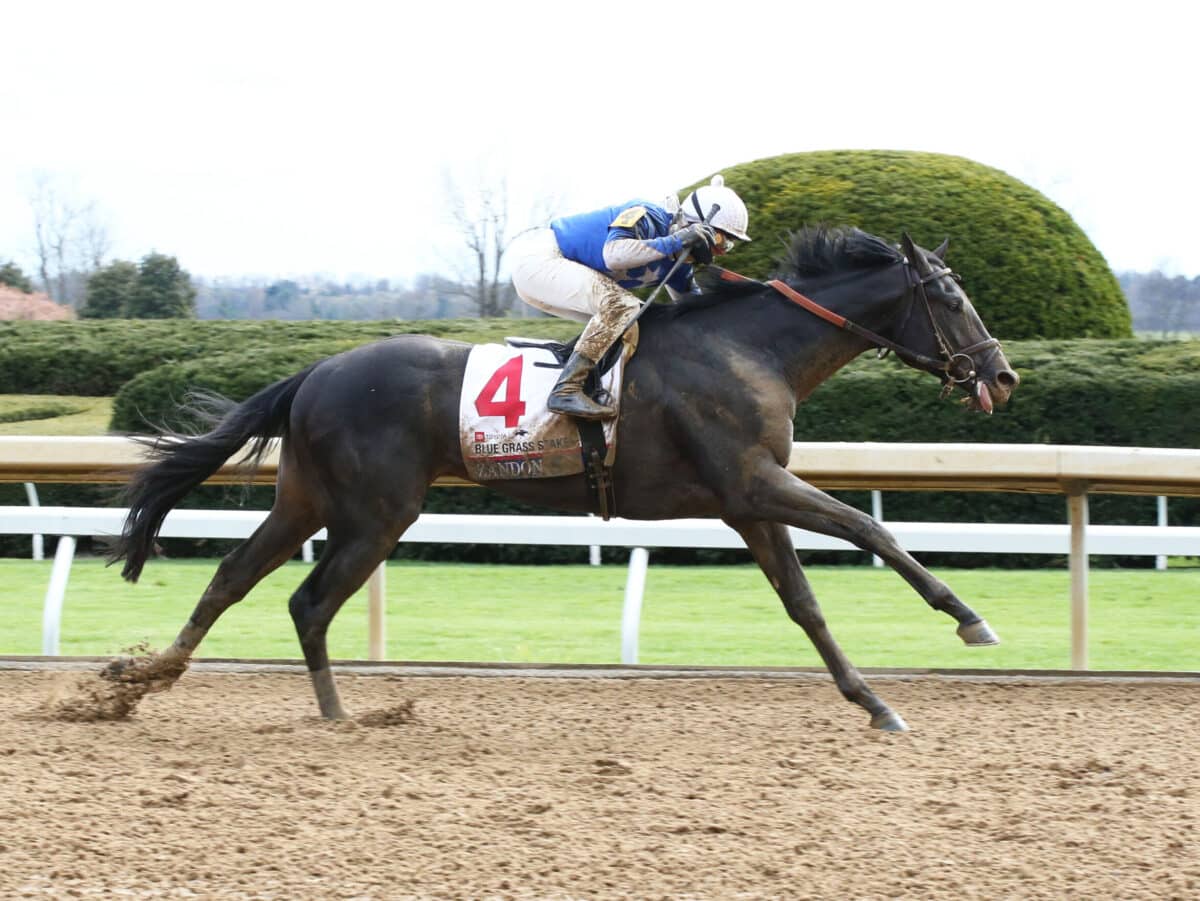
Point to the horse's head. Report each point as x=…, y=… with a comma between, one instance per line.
x=941, y=324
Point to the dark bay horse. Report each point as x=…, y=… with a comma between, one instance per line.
x=705, y=424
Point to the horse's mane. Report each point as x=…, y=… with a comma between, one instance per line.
x=811, y=252
x=814, y=252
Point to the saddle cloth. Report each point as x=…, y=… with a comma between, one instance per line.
x=504, y=427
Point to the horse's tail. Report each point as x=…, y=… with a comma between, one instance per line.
x=182, y=462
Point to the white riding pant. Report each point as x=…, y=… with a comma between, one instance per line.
x=545, y=279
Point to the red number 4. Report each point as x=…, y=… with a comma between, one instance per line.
x=511, y=407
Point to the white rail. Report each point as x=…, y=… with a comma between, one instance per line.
x=1046, y=468
x=1063, y=469
x=575, y=531
x=71, y=522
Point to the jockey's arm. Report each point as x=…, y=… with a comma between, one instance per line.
x=621, y=254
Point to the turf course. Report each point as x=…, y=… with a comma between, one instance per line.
x=1139, y=619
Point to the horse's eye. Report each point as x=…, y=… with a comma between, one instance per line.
x=952, y=300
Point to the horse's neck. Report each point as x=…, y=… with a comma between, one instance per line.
x=820, y=349
x=818, y=358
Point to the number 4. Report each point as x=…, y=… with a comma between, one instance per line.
x=511, y=407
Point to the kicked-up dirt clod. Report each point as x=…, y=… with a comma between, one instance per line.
x=120, y=686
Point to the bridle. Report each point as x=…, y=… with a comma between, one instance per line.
x=953, y=366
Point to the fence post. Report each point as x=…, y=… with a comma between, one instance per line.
x=1077, y=509
x=631, y=614
x=877, y=512
x=52, y=608
x=1160, y=562
x=377, y=614
x=593, y=551
x=32, y=495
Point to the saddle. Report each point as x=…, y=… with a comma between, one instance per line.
x=507, y=433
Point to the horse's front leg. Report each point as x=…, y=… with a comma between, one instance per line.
x=771, y=545
x=778, y=496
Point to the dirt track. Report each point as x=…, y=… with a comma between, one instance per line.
x=508, y=787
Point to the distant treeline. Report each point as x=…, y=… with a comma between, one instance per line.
x=428, y=297
x=1162, y=304
x=1159, y=304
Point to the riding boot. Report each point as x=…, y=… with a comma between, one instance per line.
x=567, y=396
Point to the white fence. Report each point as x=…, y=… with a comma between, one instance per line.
x=1061, y=469
x=587, y=531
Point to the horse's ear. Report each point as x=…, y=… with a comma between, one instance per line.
x=906, y=244
x=940, y=253
x=916, y=256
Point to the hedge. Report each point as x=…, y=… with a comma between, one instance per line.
x=1127, y=392
x=1073, y=392
x=97, y=357
x=1029, y=269
x=1123, y=392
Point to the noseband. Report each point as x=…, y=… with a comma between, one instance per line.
x=953, y=366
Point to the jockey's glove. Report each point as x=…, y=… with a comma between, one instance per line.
x=698, y=240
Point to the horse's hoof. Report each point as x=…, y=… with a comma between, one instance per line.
x=977, y=634
x=889, y=721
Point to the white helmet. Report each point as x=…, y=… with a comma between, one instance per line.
x=731, y=216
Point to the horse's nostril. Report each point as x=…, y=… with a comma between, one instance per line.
x=1006, y=378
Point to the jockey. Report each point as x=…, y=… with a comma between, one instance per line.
x=583, y=267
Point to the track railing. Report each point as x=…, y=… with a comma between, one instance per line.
x=1074, y=471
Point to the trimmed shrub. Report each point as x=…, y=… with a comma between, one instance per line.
x=1073, y=392
x=45, y=409
x=1028, y=268
x=97, y=357
x=151, y=401
x=1124, y=392
x=1119, y=393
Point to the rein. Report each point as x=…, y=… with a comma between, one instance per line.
x=957, y=366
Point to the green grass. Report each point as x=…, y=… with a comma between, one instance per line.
x=39, y=414
x=1139, y=619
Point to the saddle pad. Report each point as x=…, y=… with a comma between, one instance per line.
x=504, y=426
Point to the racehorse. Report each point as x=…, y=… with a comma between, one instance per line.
x=705, y=423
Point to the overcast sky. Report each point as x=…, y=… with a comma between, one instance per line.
x=281, y=139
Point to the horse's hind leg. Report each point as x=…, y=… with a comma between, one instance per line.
x=350, y=555
x=273, y=543
x=782, y=497
x=771, y=545
x=291, y=521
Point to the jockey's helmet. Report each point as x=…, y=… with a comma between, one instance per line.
x=731, y=216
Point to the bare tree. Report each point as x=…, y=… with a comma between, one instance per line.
x=95, y=241
x=480, y=215
x=70, y=240
x=46, y=224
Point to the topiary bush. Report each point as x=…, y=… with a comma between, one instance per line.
x=1030, y=270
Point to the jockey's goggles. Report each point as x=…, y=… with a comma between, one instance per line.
x=723, y=243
